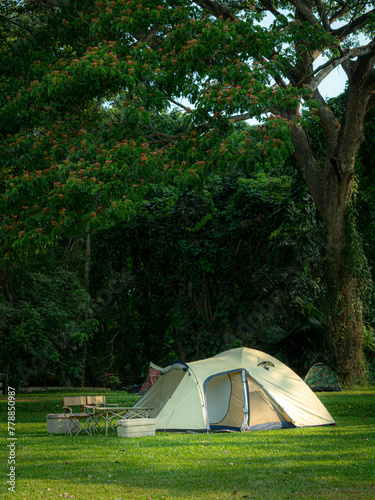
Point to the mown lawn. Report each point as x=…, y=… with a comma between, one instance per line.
x=316, y=463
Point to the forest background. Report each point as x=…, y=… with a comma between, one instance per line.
x=143, y=218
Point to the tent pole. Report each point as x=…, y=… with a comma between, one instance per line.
x=245, y=400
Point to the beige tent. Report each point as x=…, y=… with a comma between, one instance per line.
x=240, y=389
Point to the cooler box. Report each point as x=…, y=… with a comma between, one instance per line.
x=136, y=427
x=57, y=423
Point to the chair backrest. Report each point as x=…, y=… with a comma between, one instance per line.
x=74, y=401
x=96, y=400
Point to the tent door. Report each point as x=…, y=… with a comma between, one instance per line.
x=226, y=396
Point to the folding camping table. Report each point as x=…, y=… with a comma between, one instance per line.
x=107, y=415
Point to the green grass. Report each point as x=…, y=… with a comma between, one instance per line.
x=316, y=463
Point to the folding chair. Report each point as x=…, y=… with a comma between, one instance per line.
x=95, y=400
x=98, y=419
x=76, y=421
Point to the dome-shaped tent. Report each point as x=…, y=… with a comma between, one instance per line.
x=321, y=377
x=240, y=389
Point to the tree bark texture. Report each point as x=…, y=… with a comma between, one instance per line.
x=331, y=186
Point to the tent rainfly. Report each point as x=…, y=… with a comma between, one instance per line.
x=238, y=390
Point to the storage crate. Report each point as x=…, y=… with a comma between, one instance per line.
x=136, y=427
x=57, y=424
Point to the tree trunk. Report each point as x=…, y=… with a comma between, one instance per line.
x=344, y=307
x=86, y=283
x=330, y=187
x=344, y=335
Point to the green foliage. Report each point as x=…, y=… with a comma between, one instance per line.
x=45, y=327
x=189, y=212
x=365, y=198
x=196, y=273
x=82, y=109
x=364, y=203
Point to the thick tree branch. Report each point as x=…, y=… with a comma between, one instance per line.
x=6, y=19
x=328, y=122
x=325, y=69
x=305, y=12
x=53, y=3
x=339, y=14
x=351, y=133
x=176, y=103
x=150, y=38
x=308, y=164
x=370, y=83
x=4, y=284
x=240, y=118
x=323, y=15
x=268, y=5
x=353, y=26
x=216, y=9
x=169, y=138
x=371, y=103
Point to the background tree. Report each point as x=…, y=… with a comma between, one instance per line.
x=193, y=274
x=45, y=324
x=73, y=164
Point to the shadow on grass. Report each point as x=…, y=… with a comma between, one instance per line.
x=305, y=459
x=211, y=471
x=325, y=462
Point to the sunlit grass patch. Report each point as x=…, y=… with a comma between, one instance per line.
x=322, y=462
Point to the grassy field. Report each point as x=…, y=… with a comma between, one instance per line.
x=316, y=463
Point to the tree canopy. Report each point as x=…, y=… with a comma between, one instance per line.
x=84, y=86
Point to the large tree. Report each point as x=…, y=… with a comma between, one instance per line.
x=82, y=83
